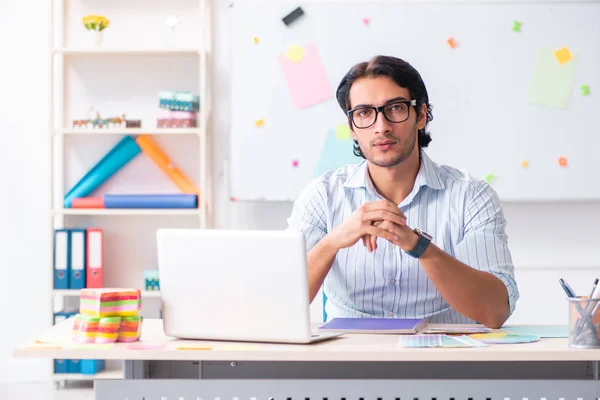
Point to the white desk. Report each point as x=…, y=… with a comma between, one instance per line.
x=349, y=367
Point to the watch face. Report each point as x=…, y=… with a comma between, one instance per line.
x=423, y=233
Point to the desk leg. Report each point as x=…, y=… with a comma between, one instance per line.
x=595, y=370
x=136, y=369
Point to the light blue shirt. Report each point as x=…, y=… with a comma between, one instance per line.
x=461, y=213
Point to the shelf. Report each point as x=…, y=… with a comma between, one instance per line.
x=106, y=374
x=131, y=131
x=127, y=211
x=76, y=292
x=125, y=51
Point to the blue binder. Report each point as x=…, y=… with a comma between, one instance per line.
x=150, y=201
x=61, y=366
x=62, y=258
x=77, y=265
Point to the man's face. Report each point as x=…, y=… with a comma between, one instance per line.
x=385, y=143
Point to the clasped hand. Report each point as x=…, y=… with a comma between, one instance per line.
x=380, y=218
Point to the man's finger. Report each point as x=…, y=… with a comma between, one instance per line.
x=382, y=233
x=383, y=205
x=373, y=242
x=383, y=215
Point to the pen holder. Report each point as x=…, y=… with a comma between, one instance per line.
x=584, y=323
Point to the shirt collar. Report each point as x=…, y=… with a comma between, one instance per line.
x=428, y=175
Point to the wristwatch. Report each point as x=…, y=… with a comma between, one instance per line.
x=424, y=240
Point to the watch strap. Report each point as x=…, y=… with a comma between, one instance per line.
x=421, y=246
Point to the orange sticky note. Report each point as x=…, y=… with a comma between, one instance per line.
x=294, y=53
x=524, y=164
x=563, y=55
x=562, y=161
x=259, y=123
x=43, y=346
x=452, y=42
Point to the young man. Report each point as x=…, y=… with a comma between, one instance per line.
x=398, y=235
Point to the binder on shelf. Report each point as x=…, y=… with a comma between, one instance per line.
x=113, y=161
x=151, y=149
x=77, y=270
x=150, y=201
x=74, y=366
x=94, y=272
x=62, y=259
x=61, y=366
x=92, y=367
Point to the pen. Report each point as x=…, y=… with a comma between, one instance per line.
x=588, y=308
x=567, y=288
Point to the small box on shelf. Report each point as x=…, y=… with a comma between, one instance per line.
x=151, y=280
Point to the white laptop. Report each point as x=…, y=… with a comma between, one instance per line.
x=237, y=285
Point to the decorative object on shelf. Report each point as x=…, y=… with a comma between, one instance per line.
x=172, y=21
x=159, y=157
x=96, y=24
x=151, y=280
x=104, y=123
x=178, y=100
x=176, y=119
x=150, y=201
x=116, y=159
x=133, y=123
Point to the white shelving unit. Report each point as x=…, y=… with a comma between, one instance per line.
x=65, y=20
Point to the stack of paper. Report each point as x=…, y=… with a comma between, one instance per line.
x=110, y=302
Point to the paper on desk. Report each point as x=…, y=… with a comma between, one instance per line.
x=454, y=331
x=543, y=331
x=552, y=82
x=146, y=346
x=420, y=341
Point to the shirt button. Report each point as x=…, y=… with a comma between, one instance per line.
x=390, y=313
x=393, y=281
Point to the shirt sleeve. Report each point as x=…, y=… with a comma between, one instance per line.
x=309, y=214
x=484, y=245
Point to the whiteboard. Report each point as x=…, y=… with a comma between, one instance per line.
x=486, y=92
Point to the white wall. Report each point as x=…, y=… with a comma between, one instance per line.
x=548, y=241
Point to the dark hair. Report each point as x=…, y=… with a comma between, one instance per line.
x=401, y=72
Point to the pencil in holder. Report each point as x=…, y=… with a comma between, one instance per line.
x=584, y=322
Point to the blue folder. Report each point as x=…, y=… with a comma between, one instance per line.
x=62, y=258
x=150, y=201
x=116, y=159
x=77, y=266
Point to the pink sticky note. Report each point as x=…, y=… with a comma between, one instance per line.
x=366, y=21
x=145, y=346
x=306, y=80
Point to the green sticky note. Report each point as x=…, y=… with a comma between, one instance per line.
x=343, y=132
x=336, y=154
x=543, y=331
x=552, y=82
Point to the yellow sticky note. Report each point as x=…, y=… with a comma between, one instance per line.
x=563, y=55
x=342, y=132
x=524, y=164
x=255, y=39
x=295, y=53
x=192, y=347
x=259, y=123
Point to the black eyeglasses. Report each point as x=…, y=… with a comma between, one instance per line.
x=364, y=117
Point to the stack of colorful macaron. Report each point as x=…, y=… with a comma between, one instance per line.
x=108, y=316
